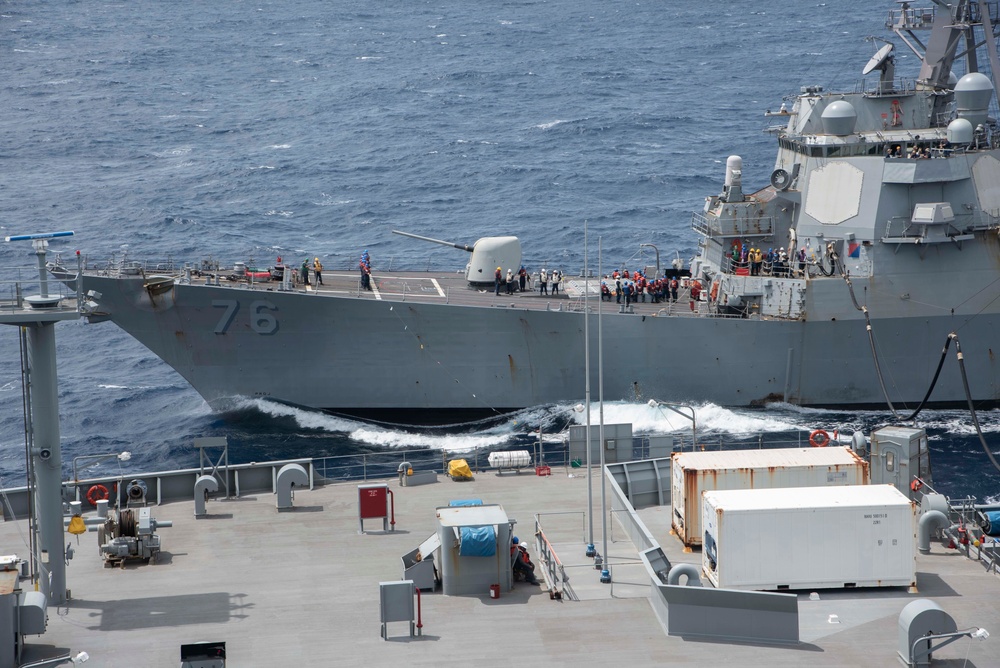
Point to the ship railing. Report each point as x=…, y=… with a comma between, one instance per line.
x=117, y=266
x=381, y=465
x=553, y=571
x=743, y=226
x=966, y=534
x=993, y=8
x=899, y=86
x=901, y=227
x=993, y=138
x=554, y=453
x=911, y=18
x=985, y=220
x=19, y=283
x=737, y=267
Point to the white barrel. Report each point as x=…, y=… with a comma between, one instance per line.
x=510, y=459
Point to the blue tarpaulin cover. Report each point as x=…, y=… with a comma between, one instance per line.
x=465, y=502
x=478, y=542
x=992, y=527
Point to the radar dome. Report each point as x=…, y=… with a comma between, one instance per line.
x=960, y=131
x=839, y=118
x=734, y=170
x=972, y=97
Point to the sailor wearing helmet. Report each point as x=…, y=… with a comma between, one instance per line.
x=318, y=270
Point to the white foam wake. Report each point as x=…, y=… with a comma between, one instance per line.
x=385, y=436
x=646, y=419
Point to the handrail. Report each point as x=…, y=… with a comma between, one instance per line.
x=554, y=571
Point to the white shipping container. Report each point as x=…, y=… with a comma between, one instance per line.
x=695, y=472
x=809, y=538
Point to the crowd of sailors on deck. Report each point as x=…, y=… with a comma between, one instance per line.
x=632, y=288
x=620, y=286
x=749, y=261
x=523, y=281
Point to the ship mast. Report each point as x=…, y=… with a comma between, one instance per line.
x=951, y=26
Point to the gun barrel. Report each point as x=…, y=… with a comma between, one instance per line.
x=435, y=241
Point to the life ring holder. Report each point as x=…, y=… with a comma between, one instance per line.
x=819, y=439
x=97, y=493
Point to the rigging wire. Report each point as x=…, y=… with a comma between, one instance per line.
x=985, y=306
x=22, y=340
x=944, y=352
x=837, y=264
x=951, y=309
x=972, y=408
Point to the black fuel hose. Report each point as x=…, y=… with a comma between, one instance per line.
x=972, y=409
x=937, y=372
x=944, y=353
x=871, y=333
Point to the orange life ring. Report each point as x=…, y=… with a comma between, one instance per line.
x=819, y=439
x=916, y=485
x=97, y=493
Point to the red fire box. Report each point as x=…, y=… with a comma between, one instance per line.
x=374, y=503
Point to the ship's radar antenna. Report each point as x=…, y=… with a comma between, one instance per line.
x=40, y=242
x=885, y=62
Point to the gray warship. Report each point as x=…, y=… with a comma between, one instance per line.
x=883, y=199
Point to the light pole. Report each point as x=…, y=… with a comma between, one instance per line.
x=605, y=573
x=586, y=353
x=579, y=408
x=653, y=403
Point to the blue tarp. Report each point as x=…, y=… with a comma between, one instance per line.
x=478, y=542
x=465, y=502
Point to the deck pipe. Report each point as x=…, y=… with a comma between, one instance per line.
x=932, y=519
x=690, y=570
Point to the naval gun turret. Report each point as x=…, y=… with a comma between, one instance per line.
x=488, y=253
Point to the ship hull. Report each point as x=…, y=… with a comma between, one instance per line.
x=440, y=363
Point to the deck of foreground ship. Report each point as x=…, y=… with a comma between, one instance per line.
x=301, y=588
x=452, y=288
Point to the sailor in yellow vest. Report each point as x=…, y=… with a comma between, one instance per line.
x=318, y=270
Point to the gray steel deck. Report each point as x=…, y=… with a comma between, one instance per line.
x=452, y=288
x=300, y=588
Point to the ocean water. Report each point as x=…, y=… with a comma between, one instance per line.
x=247, y=130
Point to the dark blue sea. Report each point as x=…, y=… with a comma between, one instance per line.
x=245, y=130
